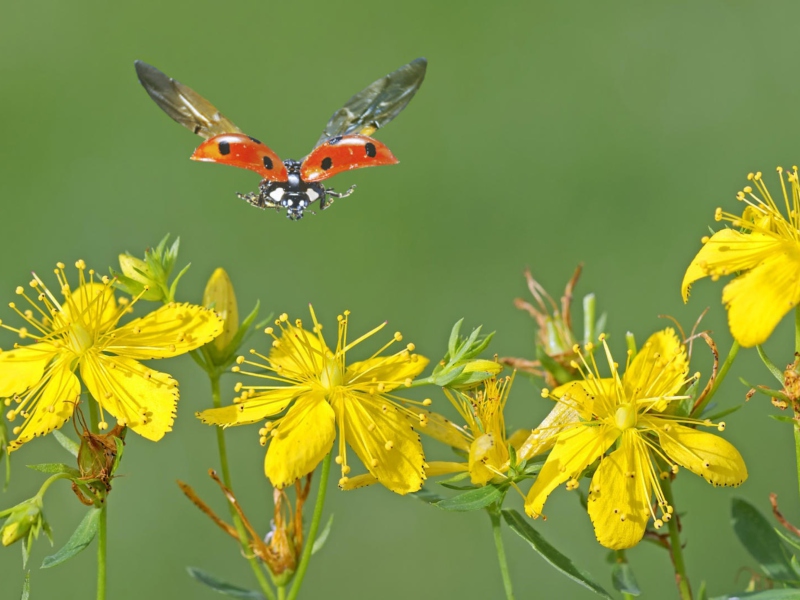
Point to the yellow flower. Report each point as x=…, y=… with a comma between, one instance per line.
x=81, y=333
x=764, y=249
x=626, y=412
x=325, y=392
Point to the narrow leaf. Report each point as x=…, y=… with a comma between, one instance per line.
x=427, y=496
x=56, y=468
x=725, y=412
x=783, y=418
x=226, y=589
x=776, y=372
x=473, y=499
x=784, y=594
x=81, y=537
x=702, y=594
x=623, y=579
x=26, y=587
x=760, y=540
x=69, y=445
x=322, y=537
x=522, y=528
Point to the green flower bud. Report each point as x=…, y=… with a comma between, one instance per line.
x=220, y=296
x=475, y=372
x=21, y=519
x=149, y=278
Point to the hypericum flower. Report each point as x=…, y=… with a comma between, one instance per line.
x=325, y=392
x=81, y=333
x=765, y=250
x=628, y=410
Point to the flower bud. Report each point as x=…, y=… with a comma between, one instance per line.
x=21, y=519
x=136, y=276
x=220, y=296
x=474, y=372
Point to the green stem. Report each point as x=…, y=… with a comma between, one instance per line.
x=312, y=530
x=501, y=553
x=797, y=329
x=282, y=592
x=102, y=529
x=258, y=571
x=720, y=378
x=676, y=550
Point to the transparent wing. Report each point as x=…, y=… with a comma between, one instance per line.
x=377, y=104
x=183, y=104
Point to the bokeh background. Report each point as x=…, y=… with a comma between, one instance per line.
x=546, y=134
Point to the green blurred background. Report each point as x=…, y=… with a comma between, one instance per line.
x=545, y=134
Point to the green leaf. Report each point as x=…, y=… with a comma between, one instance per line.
x=783, y=418
x=427, y=496
x=473, y=499
x=561, y=375
x=724, y=413
x=763, y=595
x=623, y=580
x=589, y=306
x=454, y=479
x=776, y=372
x=760, y=540
x=226, y=589
x=522, y=528
x=69, y=445
x=451, y=343
x=81, y=537
x=26, y=586
x=56, y=468
x=322, y=537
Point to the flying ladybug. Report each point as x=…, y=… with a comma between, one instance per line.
x=345, y=142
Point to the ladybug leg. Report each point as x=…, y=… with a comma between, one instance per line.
x=334, y=194
x=257, y=200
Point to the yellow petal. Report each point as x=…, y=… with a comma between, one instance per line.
x=439, y=467
x=171, y=330
x=620, y=494
x=758, y=300
x=301, y=440
x=251, y=410
x=487, y=454
x=519, y=437
x=713, y=458
x=659, y=369
x=359, y=481
x=49, y=405
x=541, y=439
x=299, y=351
x=388, y=370
x=141, y=398
x=23, y=367
x=383, y=439
x=575, y=450
x=445, y=431
x=728, y=251
x=93, y=305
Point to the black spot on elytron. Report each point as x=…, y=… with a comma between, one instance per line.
x=224, y=148
x=267, y=162
x=254, y=139
x=335, y=140
x=327, y=163
x=371, y=150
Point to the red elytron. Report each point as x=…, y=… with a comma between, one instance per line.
x=294, y=185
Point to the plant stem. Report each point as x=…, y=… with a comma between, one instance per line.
x=720, y=378
x=282, y=592
x=501, y=553
x=797, y=328
x=312, y=530
x=102, y=528
x=258, y=571
x=676, y=550
x=623, y=559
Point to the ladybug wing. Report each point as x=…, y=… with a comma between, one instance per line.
x=343, y=153
x=245, y=152
x=183, y=104
x=378, y=103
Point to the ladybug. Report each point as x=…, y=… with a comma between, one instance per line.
x=345, y=142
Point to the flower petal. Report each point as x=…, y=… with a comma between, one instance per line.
x=299, y=351
x=575, y=450
x=383, y=439
x=441, y=467
x=658, y=369
x=620, y=494
x=359, y=481
x=445, y=431
x=487, y=455
x=544, y=437
x=301, y=440
x=138, y=397
x=49, y=405
x=728, y=251
x=171, y=330
x=92, y=304
x=392, y=371
x=23, y=367
x=713, y=458
x=758, y=299
x=251, y=410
